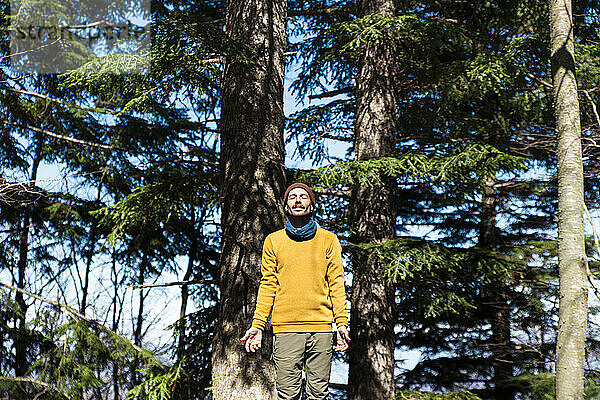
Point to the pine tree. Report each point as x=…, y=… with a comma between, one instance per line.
x=371, y=358
x=252, y=179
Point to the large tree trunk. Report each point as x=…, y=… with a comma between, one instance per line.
x=572, y=315
x=371, y=363
x=500, y=317
x=252, y=173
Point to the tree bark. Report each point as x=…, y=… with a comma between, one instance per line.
x=371, y=358
x=572, y=315
x=252, y=174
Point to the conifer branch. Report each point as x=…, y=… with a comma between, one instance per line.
x=54, y=303
x=99, y=145
x=75, y=313
x=13, y=55
x=16, y=78
x=35, y=382
x=58, y=101
x=62, y=137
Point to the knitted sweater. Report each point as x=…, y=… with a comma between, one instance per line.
x=302, y=283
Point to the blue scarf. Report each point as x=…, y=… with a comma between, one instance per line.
x=305, y=232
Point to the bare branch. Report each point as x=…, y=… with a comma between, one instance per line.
x=19, y=192
x=182, y=283
x=449, y=20
x=333, y=192
x=535, y=78
x=337, y=137
x=332, y=93
x=222, y=59
x=325, y=11
x=597, y=243
x=594, y=109
x=596, y=240
x=326, y=134
x=90, y=25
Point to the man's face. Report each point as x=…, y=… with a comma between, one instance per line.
x=298, y=203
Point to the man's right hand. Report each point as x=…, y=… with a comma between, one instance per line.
x=253, y=339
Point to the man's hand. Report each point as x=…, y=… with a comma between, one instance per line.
x=253, y=339
x=343, y=339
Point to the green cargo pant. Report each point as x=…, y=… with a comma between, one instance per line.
x=293, y=352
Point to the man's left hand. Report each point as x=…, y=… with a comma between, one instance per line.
x=343, y=339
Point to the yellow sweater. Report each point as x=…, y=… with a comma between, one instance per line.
x=302, y=282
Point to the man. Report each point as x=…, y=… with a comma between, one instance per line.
x=303, y=283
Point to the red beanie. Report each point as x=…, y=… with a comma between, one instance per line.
x=311, y=194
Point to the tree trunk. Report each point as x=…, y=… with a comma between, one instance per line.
x=572, y=315
x=500, y=318
x=22, y=339
x=252, y=173
x=184, y=288
x=371, y=358
x=115, y=321
x=90, y=257
x=139, y=321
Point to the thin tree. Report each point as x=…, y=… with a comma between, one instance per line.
x=22, y=339
x=252, y=179
x=572, y=315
